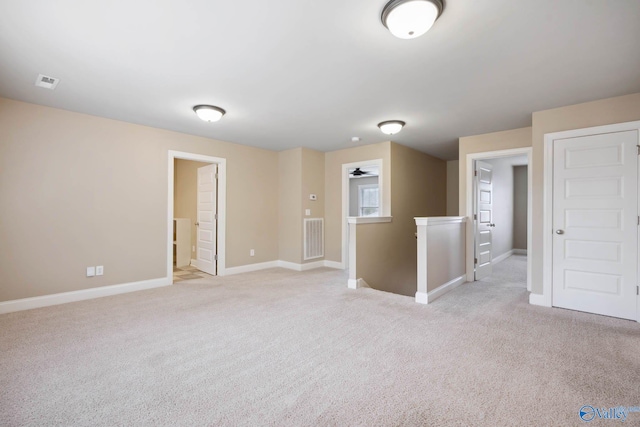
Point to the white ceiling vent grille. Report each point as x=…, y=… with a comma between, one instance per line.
x=47, y=82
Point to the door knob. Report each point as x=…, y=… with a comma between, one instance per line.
x=197, y=224
x=559, y=231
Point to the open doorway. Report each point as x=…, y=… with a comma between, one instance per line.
x=499, y=206
x=196, y=216
x=194, y=222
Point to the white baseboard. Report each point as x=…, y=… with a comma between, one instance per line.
x=85, y=294
x=282, y=264
x=502, y=257
x=334, y=264
x=539, y=299
x=251, y=267
x=300, y=267
x=422, y=298
x=357, y=283
x=426, y=298
x=519, y=251
x=103, y=291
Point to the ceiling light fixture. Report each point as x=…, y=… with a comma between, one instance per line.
x=391, y=127
x=209, y=113
x=408, y=19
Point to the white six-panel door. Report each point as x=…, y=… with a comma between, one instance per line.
x=595, y=224
x=484, y=219
x=206, y=224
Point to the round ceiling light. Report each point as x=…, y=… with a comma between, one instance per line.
x=209, y=113
x=408, y=19
x=391, y=127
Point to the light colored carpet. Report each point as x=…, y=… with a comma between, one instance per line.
x=283, y=348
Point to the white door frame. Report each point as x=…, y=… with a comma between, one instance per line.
x=345, y=200
x=470, y=242
x=547, y=220
x=222, y=206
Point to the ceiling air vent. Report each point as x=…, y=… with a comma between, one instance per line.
x=47, y=82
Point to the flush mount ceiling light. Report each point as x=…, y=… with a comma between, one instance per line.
x=391, y=127
x=209, y=113
x=408, y=19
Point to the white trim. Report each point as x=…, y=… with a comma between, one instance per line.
x=538, y=299
x=502, y=257
x=194, y=263
x=368, y=219
x=85, y=294
x=546, y=298
x=357, y=283
x=470, y=238
x=429, y=297
x=282, y=264
x=222, y=206
x=333, y=264
x=422, y=298
x=519, y=251
x=439, y=220
x=252, y=267
x=384, y=209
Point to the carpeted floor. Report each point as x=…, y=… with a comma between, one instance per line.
x=283, y=348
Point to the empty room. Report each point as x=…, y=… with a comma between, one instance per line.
x=289, y=213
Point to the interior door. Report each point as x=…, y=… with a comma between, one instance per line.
x=207, y=223
x=595, y=220
x=483, y=219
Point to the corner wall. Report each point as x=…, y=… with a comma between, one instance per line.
x=301, y=173
x=387, y=252
x=79, y=190
x=334, y=160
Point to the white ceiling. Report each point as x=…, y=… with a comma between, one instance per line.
x=315, y=73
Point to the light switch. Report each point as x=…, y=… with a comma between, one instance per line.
x=91, y=271
x=100, y=270
x=307, y=212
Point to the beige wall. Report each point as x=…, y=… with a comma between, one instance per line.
x=387, y=253
x=301, y=173
x=333, y=189
x=185, y=195
x=597, y=113
x=520, y=205
x=445, y=254
x=78, y=190
x=453, y=169
x=289, y=218
x=312, y=183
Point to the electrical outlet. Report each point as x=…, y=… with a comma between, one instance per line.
x=100, y=270
x=252, y=252
x=91, y=271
